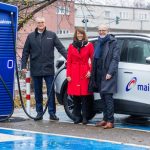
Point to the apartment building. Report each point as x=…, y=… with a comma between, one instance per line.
x=60, y=18
x=129, y=19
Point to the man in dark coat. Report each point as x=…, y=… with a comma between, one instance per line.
x=40, y=46
x=104, y=74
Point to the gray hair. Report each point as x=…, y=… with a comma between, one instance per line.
x=104, y=26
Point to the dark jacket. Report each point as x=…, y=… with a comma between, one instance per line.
x=41, y=51
x=111, y=57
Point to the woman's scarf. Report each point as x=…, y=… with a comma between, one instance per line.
x=100, y=43
x=79, y=44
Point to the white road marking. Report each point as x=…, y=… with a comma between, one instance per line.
x=8, y=137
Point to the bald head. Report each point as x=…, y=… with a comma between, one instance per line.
x=103, y=27
x=40, y=24
x=103, y=30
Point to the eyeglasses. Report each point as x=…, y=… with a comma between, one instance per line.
x=40, y=22
x=102, y=30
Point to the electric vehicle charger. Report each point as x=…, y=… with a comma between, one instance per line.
x=18, y=82
x=7, y=60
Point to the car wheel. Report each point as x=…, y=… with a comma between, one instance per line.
x=68, y=106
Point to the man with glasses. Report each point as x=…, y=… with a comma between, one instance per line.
x=104, y=74
x=39, y=46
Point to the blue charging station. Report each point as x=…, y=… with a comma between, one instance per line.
x=8, y=31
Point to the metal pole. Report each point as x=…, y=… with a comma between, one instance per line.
x=141, y=24
x=57, y=18
x=28, y=93
x=85, y=23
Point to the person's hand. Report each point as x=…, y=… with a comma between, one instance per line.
x=88, y=74
x=24, y=71
x=68, y=79
x=108, y=76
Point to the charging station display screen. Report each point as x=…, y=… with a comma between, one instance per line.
x=8, y=29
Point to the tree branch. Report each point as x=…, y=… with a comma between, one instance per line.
x=30, y=15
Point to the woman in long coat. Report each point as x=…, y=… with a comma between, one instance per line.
x=80, y=52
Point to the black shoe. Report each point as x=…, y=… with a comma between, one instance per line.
x=84, y=121
x=38, y=117
x=53, y=117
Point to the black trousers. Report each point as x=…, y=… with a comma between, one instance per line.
x=108, y=107
x=80, y=106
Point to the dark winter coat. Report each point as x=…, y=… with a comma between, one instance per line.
x=77, y=68
x=110, y=57
x=41, y=51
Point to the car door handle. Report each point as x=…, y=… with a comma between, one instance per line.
x=128, y=72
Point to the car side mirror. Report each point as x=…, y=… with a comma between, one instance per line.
x=148, y=60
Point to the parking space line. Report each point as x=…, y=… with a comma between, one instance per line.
x=77, y=137
x=6, y=138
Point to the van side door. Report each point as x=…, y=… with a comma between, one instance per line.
x=133, y=72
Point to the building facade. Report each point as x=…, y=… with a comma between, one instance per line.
x=59, y=17
x=120, y=19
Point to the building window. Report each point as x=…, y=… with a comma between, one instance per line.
x=63, y=31
x=107, y=14
x=143, y=16
x=67, y=10
x=63, y=10
x=124, y=15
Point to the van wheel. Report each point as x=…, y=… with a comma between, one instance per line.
x=68, y=106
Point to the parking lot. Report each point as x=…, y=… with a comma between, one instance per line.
x=127, y=134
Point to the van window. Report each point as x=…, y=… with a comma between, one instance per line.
x=137, y=51
x=120, y=43
x=123, y=56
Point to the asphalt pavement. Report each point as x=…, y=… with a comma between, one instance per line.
x=125, y=130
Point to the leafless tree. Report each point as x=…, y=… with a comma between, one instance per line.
x=148, y=6
x=139, y=4
x=28, y=8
